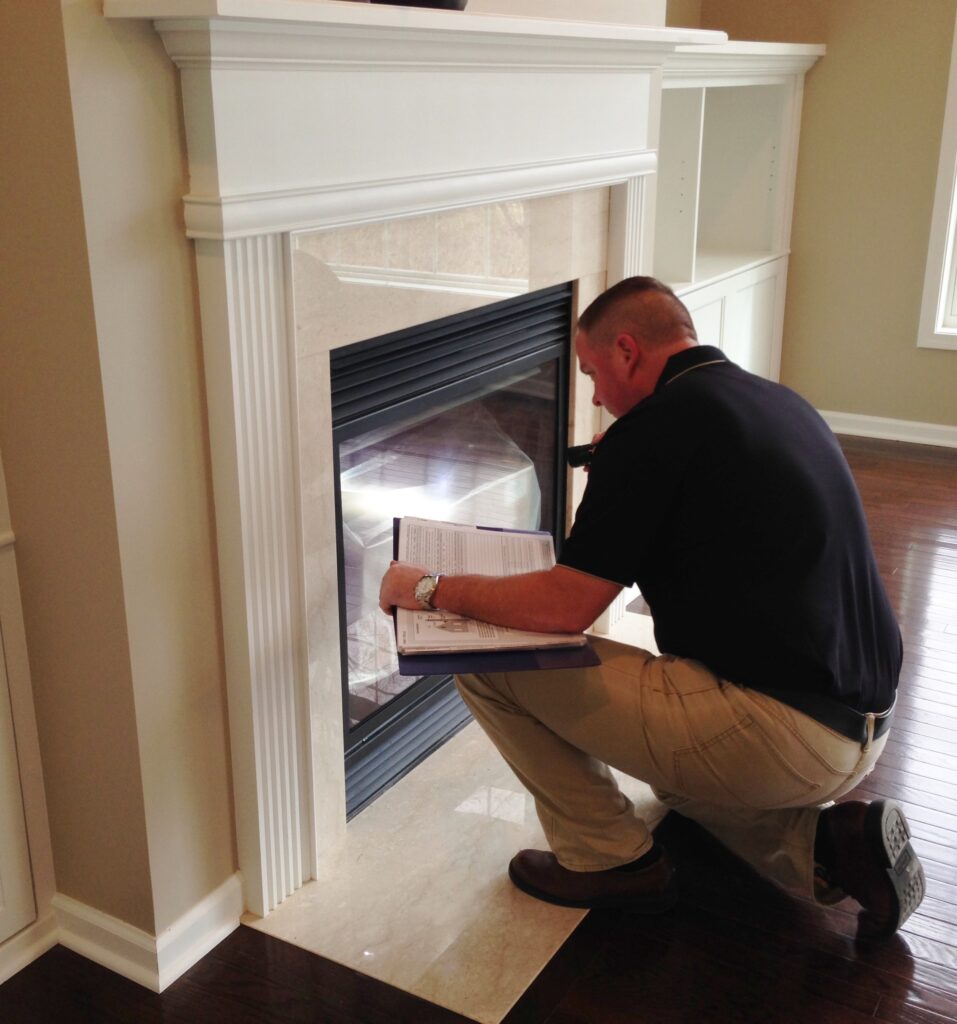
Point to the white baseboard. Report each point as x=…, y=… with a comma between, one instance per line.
x=106, y=940
x=187, y=941
x=891, y=430
x=152, y=961
x=27, y=945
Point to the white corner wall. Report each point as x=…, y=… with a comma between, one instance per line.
x=130, y=149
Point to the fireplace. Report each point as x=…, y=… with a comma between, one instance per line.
x=463, y=419
x=305, y=120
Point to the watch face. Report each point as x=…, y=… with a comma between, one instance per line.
x=424, y=590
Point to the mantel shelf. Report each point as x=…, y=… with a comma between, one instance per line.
x=358, y=17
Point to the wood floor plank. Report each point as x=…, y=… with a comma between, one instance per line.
x=921, y=744
x=924, y=766
x=940, y=690
x=250, y=978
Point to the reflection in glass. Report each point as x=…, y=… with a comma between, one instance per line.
x=489, y=459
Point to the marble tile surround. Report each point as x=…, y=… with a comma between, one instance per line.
x=418, y=895
x=355, y=283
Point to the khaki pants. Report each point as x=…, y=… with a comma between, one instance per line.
x=754, y=772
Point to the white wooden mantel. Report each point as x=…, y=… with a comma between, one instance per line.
x=302, y=114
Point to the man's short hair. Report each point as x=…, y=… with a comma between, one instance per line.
x=641, y=306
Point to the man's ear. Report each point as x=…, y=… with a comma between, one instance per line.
x=628, y=350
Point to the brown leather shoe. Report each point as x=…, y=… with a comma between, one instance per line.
x=873, y=861
x=647, y=890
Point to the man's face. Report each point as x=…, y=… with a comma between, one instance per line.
x=607, y=368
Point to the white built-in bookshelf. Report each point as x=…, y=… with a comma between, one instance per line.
x=730, y=121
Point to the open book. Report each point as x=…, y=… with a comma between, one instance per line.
x=452, y=548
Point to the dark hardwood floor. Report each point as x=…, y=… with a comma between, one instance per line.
x=736, y=950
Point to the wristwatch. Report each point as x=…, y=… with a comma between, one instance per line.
x=425, y=590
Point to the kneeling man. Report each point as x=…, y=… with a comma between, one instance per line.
x=727, y=499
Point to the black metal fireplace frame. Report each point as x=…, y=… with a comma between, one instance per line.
x=386, y=380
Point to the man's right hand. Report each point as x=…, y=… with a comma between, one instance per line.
x=398, y=586
x=594, y=442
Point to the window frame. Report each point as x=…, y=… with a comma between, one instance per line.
x=938, y=315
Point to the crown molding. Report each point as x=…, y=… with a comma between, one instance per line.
x=739, y=63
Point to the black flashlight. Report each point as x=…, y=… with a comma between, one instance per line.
x=579, y=454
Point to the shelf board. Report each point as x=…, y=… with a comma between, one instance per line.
x=712, y=266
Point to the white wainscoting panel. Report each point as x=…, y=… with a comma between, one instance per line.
x=742, y=313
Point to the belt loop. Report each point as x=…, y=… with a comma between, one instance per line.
x=869, y=729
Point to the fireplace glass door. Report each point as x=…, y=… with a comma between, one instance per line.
x=463, y=420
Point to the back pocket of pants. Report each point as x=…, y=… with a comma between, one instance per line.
x=741, y=767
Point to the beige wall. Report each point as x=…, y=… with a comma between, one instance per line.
x=53, y=437
x=870, y=139
x=102, y=428
x=684, y=13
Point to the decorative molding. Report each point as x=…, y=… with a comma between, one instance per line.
x=252, y=425
x=305, y=47
x=237, y=216
x=27, y=945
x=739, y=63
x=910, y=431
x=629, y=231
x=152, y=961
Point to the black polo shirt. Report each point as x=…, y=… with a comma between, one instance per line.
x=727, y=499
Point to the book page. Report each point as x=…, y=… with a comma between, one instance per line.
x=441, y=631
x=456, y=549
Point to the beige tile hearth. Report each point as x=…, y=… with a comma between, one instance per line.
x=419, y=897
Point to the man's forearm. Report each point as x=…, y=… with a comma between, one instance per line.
x=559, y=600
x=529, y=601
